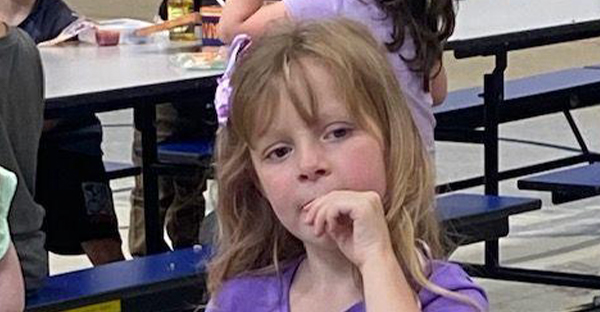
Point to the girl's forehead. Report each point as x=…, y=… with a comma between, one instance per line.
x=310, y=113
x=285, y=114
x=309, y=90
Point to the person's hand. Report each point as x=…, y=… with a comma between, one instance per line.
x=355, y=221
x=8, y=186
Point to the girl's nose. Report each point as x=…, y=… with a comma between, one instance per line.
x=313, y=164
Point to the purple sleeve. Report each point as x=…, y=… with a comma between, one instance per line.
x=230, y=297
x=453, y=278
x=300, y=10
x=261, y=292
x=223, y=301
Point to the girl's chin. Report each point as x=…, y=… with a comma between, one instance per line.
x=323, y=242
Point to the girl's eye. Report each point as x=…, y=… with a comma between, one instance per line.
x=278, y=153
x=338, y=133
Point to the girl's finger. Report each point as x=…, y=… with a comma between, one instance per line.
x=331, y=218
x=320, y=219
x=310, y=213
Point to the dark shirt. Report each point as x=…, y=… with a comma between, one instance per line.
x=81, y=134
x=21, y=118
x=47, y=19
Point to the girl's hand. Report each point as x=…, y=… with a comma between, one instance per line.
x=355, y=221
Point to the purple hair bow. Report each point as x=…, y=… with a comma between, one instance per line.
x=222, y=97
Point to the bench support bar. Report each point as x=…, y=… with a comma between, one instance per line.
x=533, y=276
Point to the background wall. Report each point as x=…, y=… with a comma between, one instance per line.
x=139, y=9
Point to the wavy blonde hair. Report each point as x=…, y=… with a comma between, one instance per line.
x=251, y=239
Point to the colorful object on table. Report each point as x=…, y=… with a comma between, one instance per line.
x=8, y=186
x=176, y=10
x=222, y=96
x=210, y=19
x=183, y=20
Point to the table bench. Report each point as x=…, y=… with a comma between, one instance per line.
x=472, y=116
x=527, y=97
x=174, y=281
x=566, y=185
x=175, y=157
x=170, y=281
x=470, y=218
x=462, y=115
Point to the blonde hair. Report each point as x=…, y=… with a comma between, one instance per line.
x=251, y=240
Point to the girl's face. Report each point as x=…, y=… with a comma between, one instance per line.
x=297, y=162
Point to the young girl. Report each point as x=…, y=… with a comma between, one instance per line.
x=412, y=30
x=325, y=190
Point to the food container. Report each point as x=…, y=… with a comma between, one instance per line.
x=116, y=31
x=205, y=60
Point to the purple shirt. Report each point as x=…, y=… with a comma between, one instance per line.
x=367, y=12
x=270, y=293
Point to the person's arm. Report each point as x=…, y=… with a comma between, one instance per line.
x=356, y=222
x=438, y=84
x=385, y=286
x=11, y=282
x=249, y=17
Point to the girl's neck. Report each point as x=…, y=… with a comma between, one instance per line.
x=326, y=277
x=14, y=12
x=323, y=267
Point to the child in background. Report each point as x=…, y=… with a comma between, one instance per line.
x=412, y=30
x=11, y=278
x=21, y=120
x=325, y=189
x=181, y=203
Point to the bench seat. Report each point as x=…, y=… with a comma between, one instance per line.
x=186, y=157
x=187, y=152
x=117, y=170
x=164, y=282
x=566, y=185
x=470, y=218
x=174, y=281
x=523, y=98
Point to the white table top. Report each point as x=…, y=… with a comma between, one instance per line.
x=482, y=18
x=77, y=69
x=83, y=68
